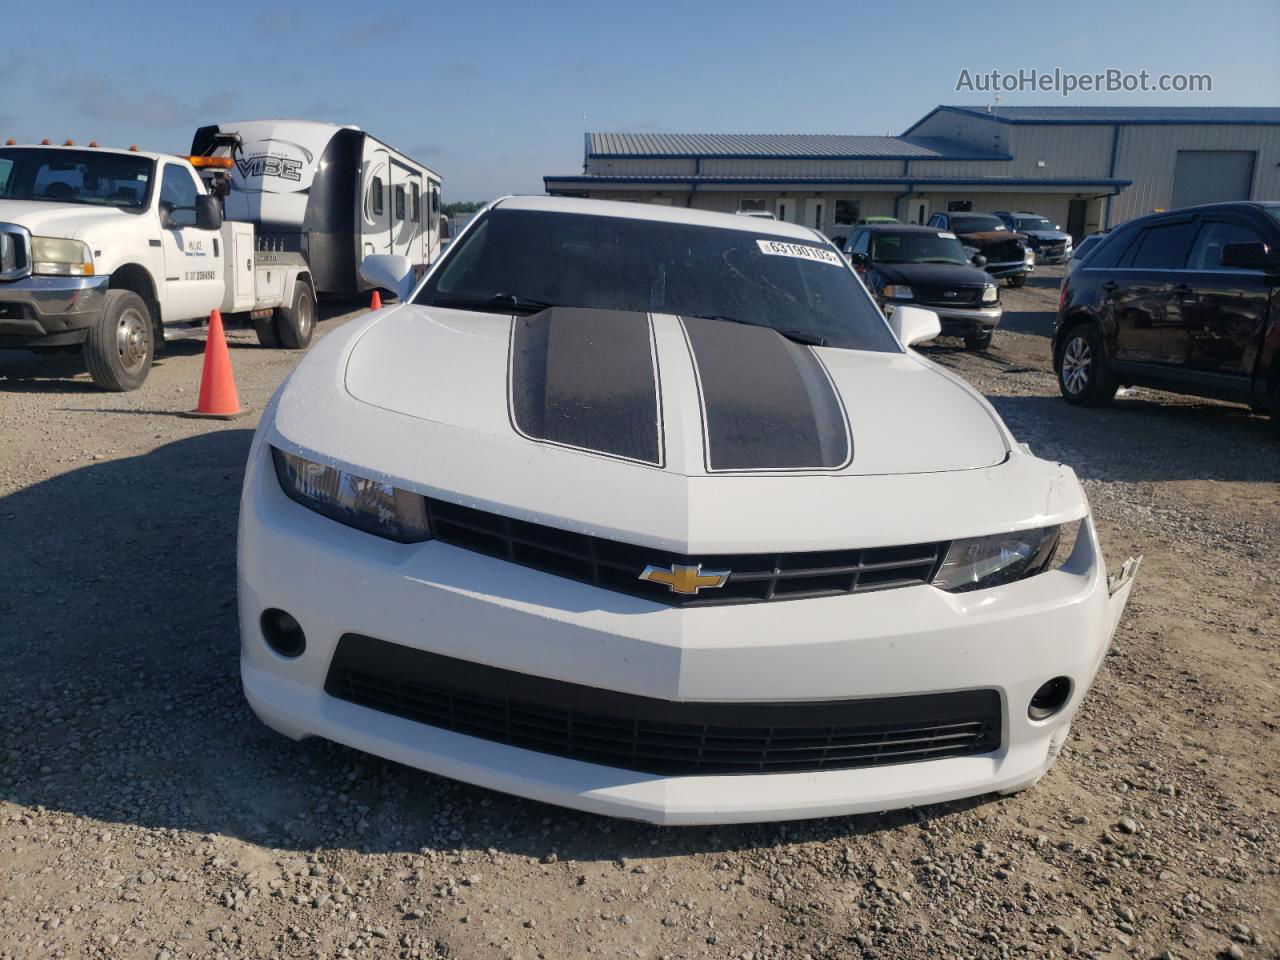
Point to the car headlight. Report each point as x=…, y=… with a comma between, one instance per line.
x=1029, y=256
x=369, y=505
x=898, y=291
x=981, y=562
x=990, y=294
x=59, y=257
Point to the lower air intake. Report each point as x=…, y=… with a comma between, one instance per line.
x=659, y=736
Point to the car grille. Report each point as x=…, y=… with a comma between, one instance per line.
x=948, y=296
x=15, y=245
x=755, y=578
x=659, y=736
x=1004, y=251
x=1052, y=249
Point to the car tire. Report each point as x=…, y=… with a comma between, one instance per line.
x=978, y=341
x=1018, y=281
x=265, y=327
x=1084, y=373
x=1275, y=411
x=121, y=344
x=296, y=323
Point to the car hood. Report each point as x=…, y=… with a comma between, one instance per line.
x=1050, y=235
x=51, y=219
x=691, y=397
x=992, y=236
x=418, y=398
x=933, y=274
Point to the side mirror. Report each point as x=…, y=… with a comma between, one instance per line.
x=208, y=213
x=979, y=260
x=860, y=260
x=914, y=325
x=1250, y=256
x=389, y=272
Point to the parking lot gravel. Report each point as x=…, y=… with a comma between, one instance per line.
x=145, y=813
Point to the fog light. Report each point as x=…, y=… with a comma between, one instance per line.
x=1050, y=698
x=283, y=633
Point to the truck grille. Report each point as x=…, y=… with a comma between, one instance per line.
x=948, y=296
x=755, y=578
x=15, y=247
x=659, y=736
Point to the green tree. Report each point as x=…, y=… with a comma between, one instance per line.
x=462, y=206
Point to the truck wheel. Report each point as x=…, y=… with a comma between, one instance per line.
x=1084, y=374
x=121, y=345
x=978, y=341
x=297, y=322
x=266, y=330
x=1020, y=280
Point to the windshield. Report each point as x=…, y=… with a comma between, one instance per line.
x=1034, y=223
x=527, y=260
x=1273, y=209
x=75, y=176
x=918, y=248
x=977, y=223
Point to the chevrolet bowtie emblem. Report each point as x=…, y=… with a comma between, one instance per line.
x=685, y=579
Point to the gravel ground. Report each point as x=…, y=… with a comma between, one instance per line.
x=145, y=813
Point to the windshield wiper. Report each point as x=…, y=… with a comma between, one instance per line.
x=498, y=303
x=795, y=336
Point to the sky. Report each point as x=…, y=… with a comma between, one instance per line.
x=492, y=95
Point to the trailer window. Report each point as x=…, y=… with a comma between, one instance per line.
x=417, y=203
x=435, y=200
x=399, y=202
x=375, y=195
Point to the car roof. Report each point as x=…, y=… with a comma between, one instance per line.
x=658, y=212
x=88, y=149
x=897, y=228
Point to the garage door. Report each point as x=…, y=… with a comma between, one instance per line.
x=1211, y=176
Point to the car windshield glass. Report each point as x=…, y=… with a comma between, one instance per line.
x=976, y=223
x=74, y=176
x=526, y=260
x=1035, y=223
x=916, y=247
x=1273, y=210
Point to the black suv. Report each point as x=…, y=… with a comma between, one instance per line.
x=1187, y=301
x=902, y=264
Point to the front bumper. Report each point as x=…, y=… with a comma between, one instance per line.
x=957, y=322
x=460, y=604
x=1045, y=259
x=47, y=311
x=1012, y=268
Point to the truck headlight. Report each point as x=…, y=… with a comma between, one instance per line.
x=898, y=291
x=980, y=562
x=59, y=257
x=368, y=505
x=990, y=294
x=1030, y=256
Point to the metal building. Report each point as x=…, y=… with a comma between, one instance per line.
x=1082, y=167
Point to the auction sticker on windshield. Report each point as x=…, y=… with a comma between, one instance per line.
x=778, y=248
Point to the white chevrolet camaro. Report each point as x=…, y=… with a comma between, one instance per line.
x=650, y=512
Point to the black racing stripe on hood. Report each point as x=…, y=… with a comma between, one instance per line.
x=767, y=403
x=587, y=379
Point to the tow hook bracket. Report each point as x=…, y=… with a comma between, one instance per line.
x=1128, y=570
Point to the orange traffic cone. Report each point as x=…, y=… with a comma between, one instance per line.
x=375, y=302
x=217, y=382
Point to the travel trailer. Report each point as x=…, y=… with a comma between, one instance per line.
x=334, y=194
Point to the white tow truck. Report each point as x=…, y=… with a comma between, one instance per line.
x=114, y=251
